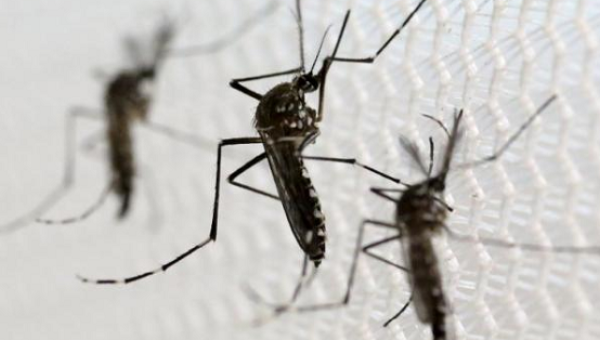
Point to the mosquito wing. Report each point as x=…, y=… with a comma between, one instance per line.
x=426, y=280
x=298, y=197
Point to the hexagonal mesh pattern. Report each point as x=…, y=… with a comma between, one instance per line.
x=497, y=59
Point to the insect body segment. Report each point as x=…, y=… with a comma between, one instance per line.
x=125, y=102
x=285, y=124
x=282, y=112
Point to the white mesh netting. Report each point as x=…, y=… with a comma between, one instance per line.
x=497, y=59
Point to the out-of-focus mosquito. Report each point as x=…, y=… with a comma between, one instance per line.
x=286, y=125
x=421, y=214
x=127, y=101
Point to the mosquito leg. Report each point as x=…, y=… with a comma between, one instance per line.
x=322, y=75
x=237, y=83
x=401, y=311
x=366, y=250
x=155, y=217
x=92, y=144
x=58, y=193
x=225, y=142
x=282, y=308
x=370, y=60
x=244, y=168
x=512, y=138
x=395, y=265
x=441, y=201
x=213, y=231
x=494, y=242
x=350, y=283
x=87, y=213
x=381, y=192
x=217, y=45
x=353, y=161
x=177, y=135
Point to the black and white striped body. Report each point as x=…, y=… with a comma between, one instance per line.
x=125, y=101
x=420, y=216
x=286, y=125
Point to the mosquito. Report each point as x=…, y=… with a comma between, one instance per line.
x=127, y=102
x=421, y=214
x=286, y=125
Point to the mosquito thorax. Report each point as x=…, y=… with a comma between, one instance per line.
x=437, y=184
x=283, y=112
x=419, y=209
x=128, y=94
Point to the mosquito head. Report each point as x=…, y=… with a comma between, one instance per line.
x=307, y=82
x=438, y=183
x=147, y=74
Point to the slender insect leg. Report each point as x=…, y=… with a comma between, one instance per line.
x=301, y=279
x=155, y=217
x=213, y=231
x=89, y=146
x=92, y=143
x=322, y=75
x=225, y=142
x=237, y=83
x=58, y=193
x=381, y=192
x=494, y=242
x=177, y=135
x=150, y=126
x=366, y=249
x=87, y=213
x=244, y=168
x=224, y=41
x=401, y=311
x=352, y=161
x=512, y=138
x=370, y=60
x=350, y=283
x=280, y=308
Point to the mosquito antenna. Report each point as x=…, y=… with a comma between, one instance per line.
x=319, y=51
x=300, y=32
x=438, y=122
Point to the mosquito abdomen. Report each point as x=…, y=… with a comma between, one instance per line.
x=121, y=160
x=429, y=298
